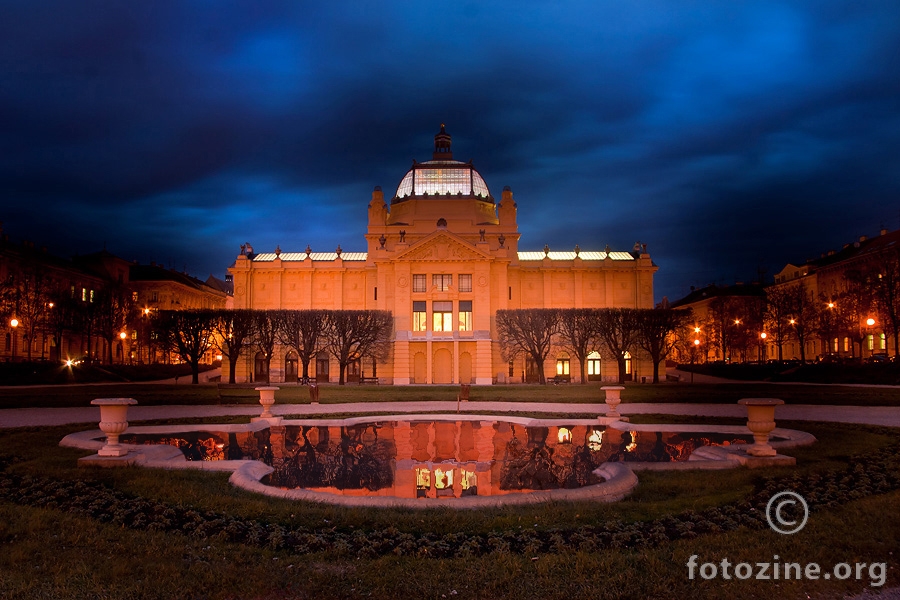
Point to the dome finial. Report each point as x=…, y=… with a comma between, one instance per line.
x=442, y=145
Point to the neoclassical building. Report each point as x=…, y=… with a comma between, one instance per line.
x=443, y=257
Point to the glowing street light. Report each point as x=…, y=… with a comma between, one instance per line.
x=14, y=322
x=763, y=335
x=870, y=321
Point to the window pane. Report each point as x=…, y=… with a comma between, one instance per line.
x=442, y=306
x=465, y=306
x=442, y=282
x=419, y=283
x=465, y=283
x=419, y=306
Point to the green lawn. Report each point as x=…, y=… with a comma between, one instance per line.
x=103, y=547
x=160, y=394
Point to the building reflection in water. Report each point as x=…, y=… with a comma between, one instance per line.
x=433, y=459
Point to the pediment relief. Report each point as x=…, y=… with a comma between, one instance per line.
x=442, y=247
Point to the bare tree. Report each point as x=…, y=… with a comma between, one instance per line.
x=29, y=290
x=113, y=307
x=304, y=331
x=265, y=336
x=779, y=309
x=619, y=331
x=529, y=331
x=352, y=334
x=190, y=333
x=658, y=329
x=805, y=314
x=882, y=277
x=578, y=331
x=233, y=330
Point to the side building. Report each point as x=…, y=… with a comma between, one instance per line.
x=95, y=305
x=443, y=257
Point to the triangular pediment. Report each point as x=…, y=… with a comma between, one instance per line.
x=443, y=246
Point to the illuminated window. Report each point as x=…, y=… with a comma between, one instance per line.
x=442, y=282
x=423, y=482
x=847, y=343
x=420, y=318
x=465, y=283
x=92, y=295
x=443, y=480
x=468, y=482
x=596, y=439
x=420, y=283
x=628, y=363
x=442, y=316
x=882, y=345
x=465, y=315
x=84, y=294
x=564, y=435
x=870, y=339
x=593, y=364
x=562, y=365
x=134, y=296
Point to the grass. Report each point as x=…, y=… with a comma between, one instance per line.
x=211, y=394
x=47, y=553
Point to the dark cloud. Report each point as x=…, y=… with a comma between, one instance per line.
x=730, y=137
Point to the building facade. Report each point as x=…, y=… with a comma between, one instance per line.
x=54, y=308
x=443, y=257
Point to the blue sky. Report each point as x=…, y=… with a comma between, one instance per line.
x=730, y=137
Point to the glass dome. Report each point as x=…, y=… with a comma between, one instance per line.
x=442, y=177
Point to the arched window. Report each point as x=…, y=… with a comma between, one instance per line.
x=593, y=367
x=290, y=367
x=260, y=367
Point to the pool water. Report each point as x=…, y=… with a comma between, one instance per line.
x=429, y=459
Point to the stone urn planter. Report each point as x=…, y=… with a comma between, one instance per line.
x=113, y=422
x=761, y=422
x=613, y=399
x=267, y=399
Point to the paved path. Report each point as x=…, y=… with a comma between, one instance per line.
x=869, y=415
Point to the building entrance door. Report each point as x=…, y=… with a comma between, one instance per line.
x=353, y=372
x=443, y=366
x=531, y=371
x=322, y=368
x=290, y=367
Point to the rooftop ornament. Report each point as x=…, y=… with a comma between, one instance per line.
x=338, y=250
x=308, y=251
x=577, y=250
x=546, y=250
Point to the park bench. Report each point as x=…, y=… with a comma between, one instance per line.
x=368, y=380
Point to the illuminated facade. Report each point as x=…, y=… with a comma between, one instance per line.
x=443, y=257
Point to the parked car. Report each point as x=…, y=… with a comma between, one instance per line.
x=877, y=359
x=831, y=358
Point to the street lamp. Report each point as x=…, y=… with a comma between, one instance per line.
x=694, y=350
x=122, y=337
x=762, y=344
x=14, y=322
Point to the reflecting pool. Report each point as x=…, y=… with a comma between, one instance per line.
x=434, y=459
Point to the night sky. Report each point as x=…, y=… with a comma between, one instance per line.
x=728, y=136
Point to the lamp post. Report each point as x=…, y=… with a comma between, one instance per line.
x=694, y=348
x=14, y=322
x=762, y=345
x=122, y=337
x=870, y=322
